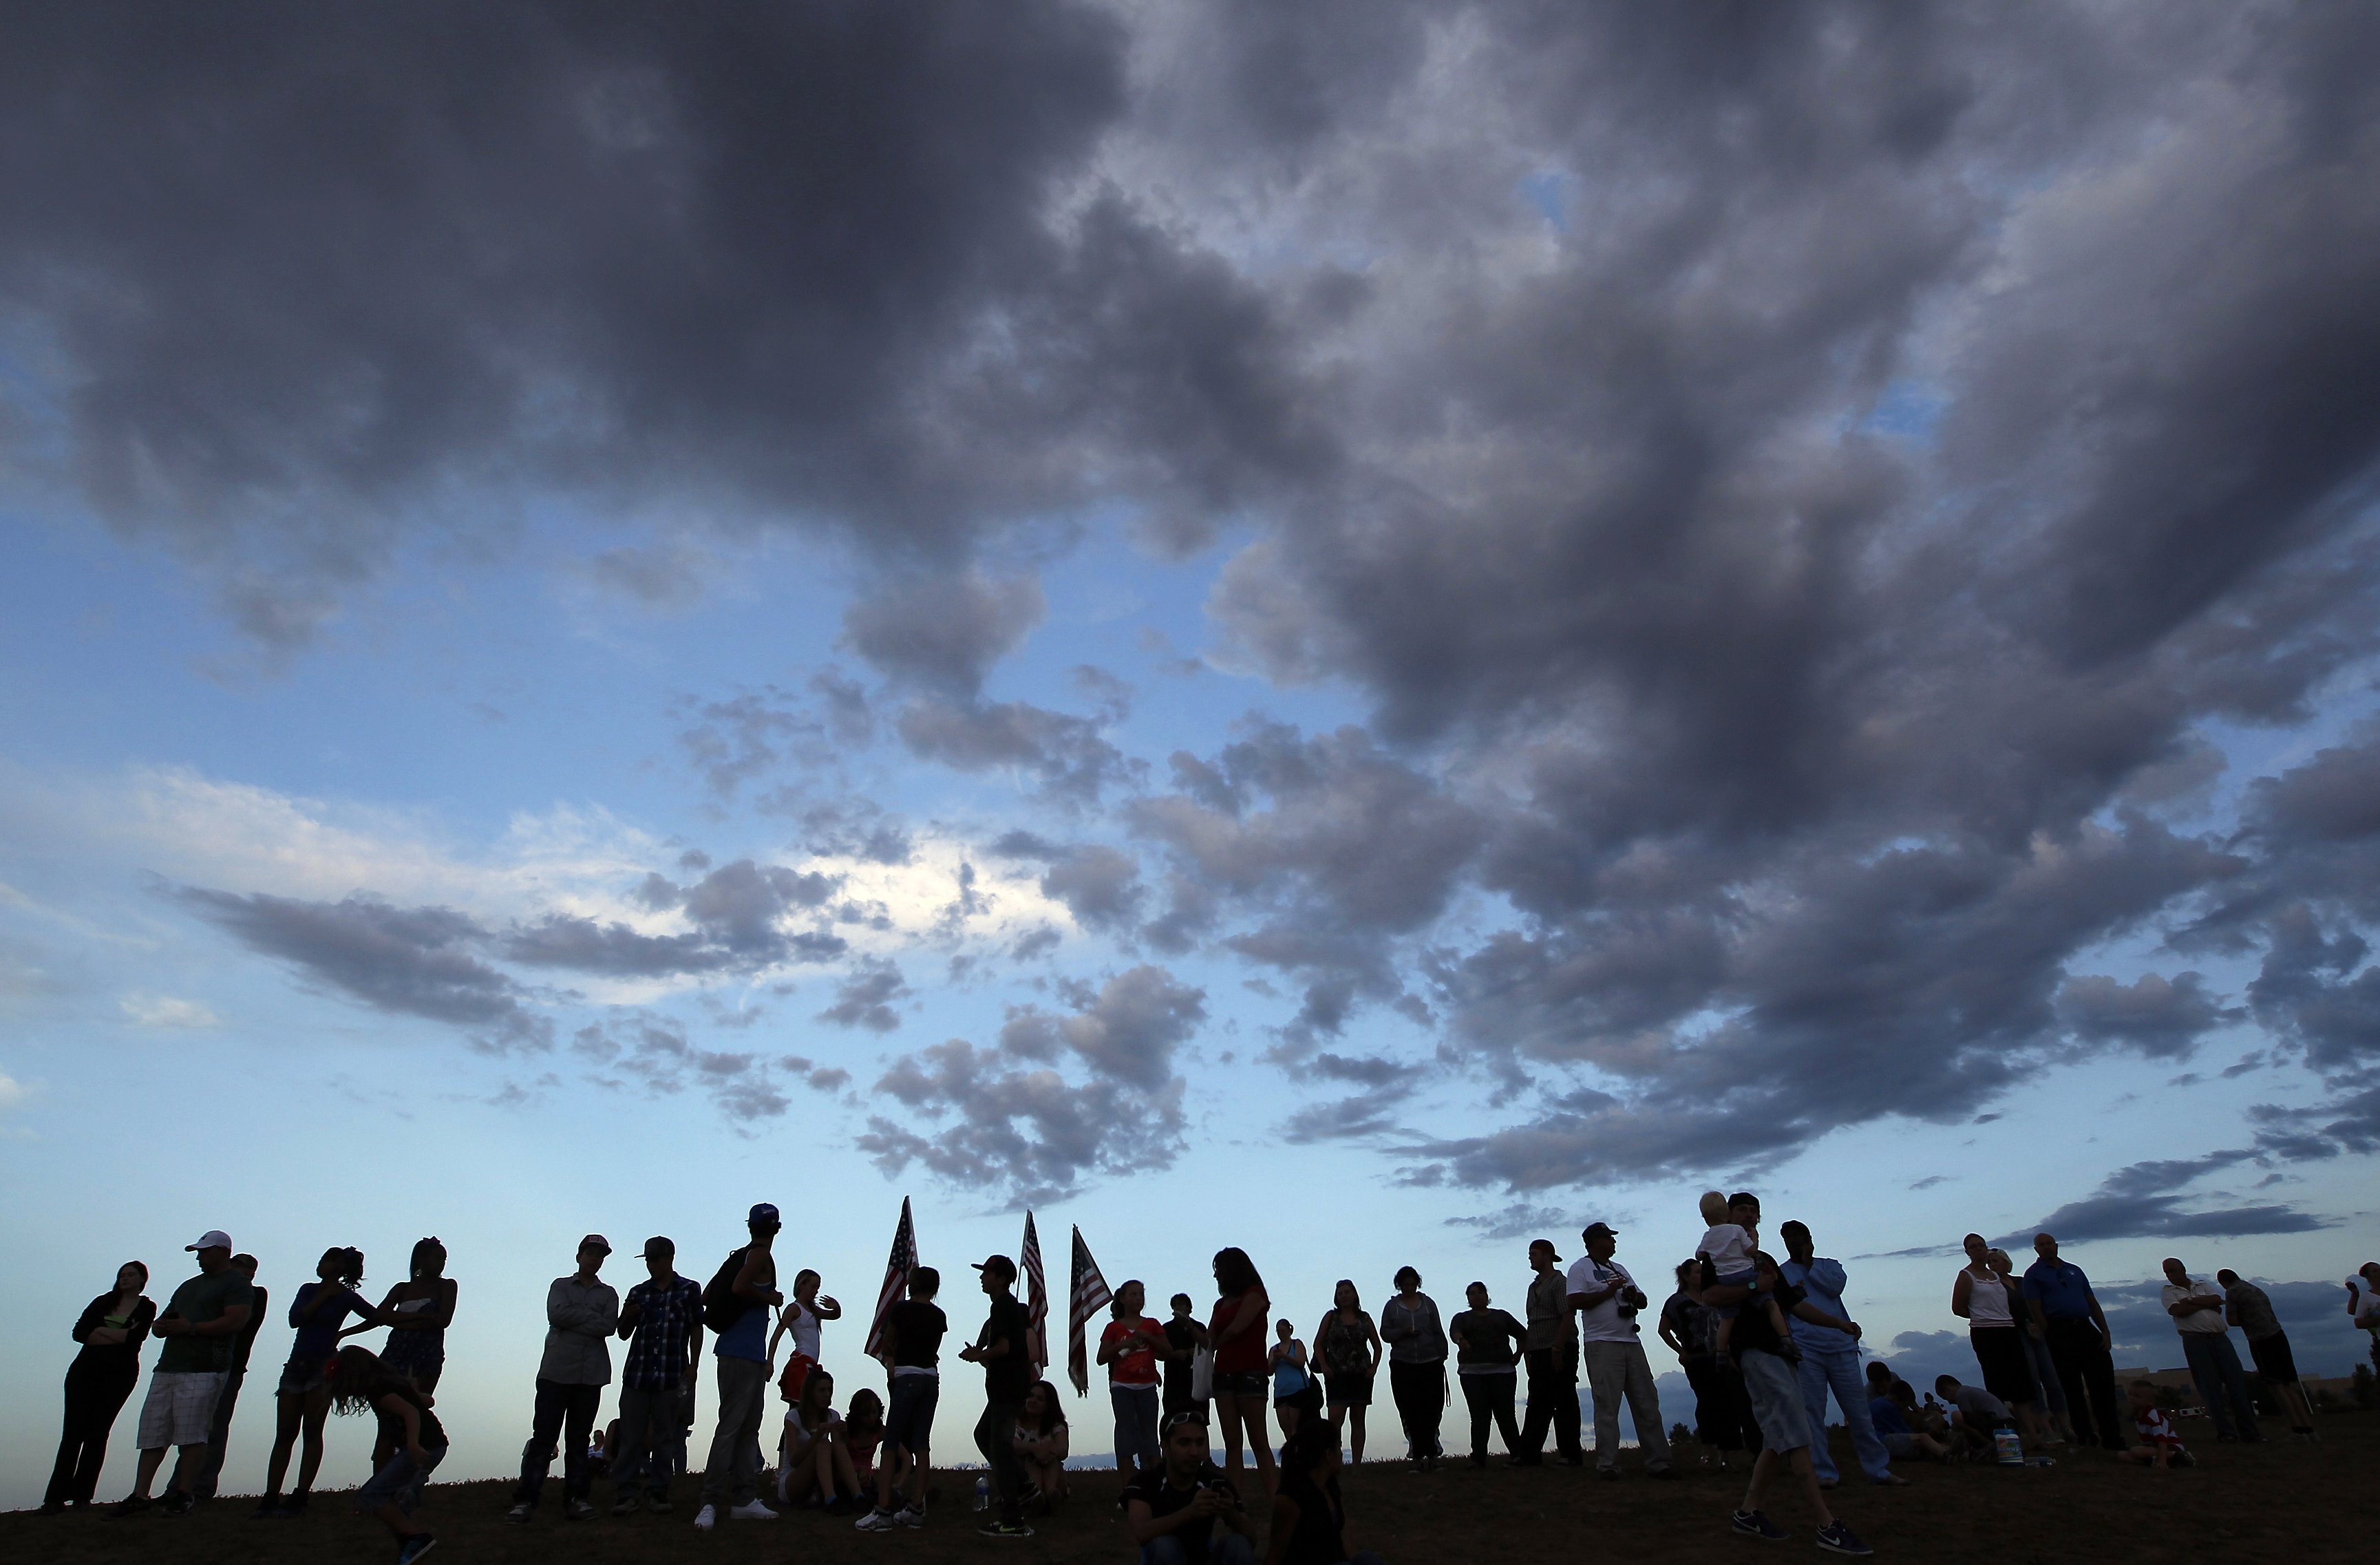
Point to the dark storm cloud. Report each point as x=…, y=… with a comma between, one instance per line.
x=2149, y=1200
x=1100, y=885
x=314, y=274
x=1007, y=1117
x=942, y=631
x=1061, y=758
x=410, y=961
x=2155, y=1014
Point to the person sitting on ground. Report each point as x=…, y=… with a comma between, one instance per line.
x=1041, y=1440
x=303, y=1398
x=2162, y=1444
x=1975, y=1414
x=814, y=1464
x=863, y=1431
x=1927, y=1420
x=1309, y=1518
x=415, y=1441
x=1294, y=1391
x=1892, y=1425
x=2248, y=1307
x=1187, y=1511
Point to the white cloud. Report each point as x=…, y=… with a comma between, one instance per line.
x=166, y=1011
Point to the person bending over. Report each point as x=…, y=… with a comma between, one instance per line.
x=408, y=1429
x=1187, y=1511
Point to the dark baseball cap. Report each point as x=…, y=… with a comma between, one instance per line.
x=1000, y=1264
x=763, y=1213
x=659, y=1246
x=596, y=1241
x=1605, y=1229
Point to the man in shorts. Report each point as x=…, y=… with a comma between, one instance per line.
x=2246, y=1306
x=218, y=1427
x=201, y=1326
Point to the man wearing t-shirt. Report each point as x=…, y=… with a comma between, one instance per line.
x=1607, y=1299
x=1175, y=1509
x=1002, y=1348
x=2197, y=1312
x=201, y=1326
x=1185, y=1335
x=1552, y=1359
x=912, y=1345
x=2076, y=1329
x=731, y=1481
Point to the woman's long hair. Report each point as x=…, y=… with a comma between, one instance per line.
x=1235, y=1273
x=1347, y=1297
x=867, y=1414
x=348, y=1262
x=354, y=1374
x=1053, y=1412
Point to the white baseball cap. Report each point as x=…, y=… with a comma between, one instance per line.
x=213, y=1239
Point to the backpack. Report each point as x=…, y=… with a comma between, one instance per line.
x=721, y=1307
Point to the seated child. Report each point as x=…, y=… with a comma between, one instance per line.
x=863, y=1431
x=1889, y=1409
x=814, y=1466
x=1725, y=1252
x=1975, y=1412
x=2164, y=1446
x=1040, y=1445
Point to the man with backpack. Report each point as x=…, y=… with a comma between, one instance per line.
x=738, y=1307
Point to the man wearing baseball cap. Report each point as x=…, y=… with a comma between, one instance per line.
x=664, y=1312
x=1552, y=1359
x=581, y=1312
x=738, y=1305
x=199, y=1324
x=1607, y=1299
x=1002, y=1348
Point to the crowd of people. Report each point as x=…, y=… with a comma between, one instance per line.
x=1764, y=1344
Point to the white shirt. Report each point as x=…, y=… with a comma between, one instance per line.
x=2367, y=1303
x=802, y=1325
x=2208, y=1321
x=1602, y=1323
x=1988, y=1300
x=1729, y=1247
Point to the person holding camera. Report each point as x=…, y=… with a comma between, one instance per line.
x=1184, y=1510
x=1607, y=1300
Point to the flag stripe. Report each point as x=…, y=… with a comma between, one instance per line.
x=896, y=1282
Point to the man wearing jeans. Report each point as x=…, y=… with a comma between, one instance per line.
x=1002, y=1347
x=1830, y=1361
x=664, y=1312
x=1607, y=1299
x=581, y=1312
x=2197, y=1311
x=731, y=1481
x=1551, y=1355
x=2076, y=1329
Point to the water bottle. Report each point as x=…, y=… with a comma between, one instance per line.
x=2008, y=1446
x=983, y=1493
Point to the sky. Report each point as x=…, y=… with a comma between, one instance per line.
x=1363, y=630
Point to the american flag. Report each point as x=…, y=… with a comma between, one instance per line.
x=896, y=1282
x=1088, y=1296
x=1037, y=1301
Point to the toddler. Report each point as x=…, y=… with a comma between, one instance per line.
x=1725, y=1254
x=2164, y=1446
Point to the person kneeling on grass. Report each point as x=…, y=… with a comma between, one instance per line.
x=814, y=1461
x=1041, y=1442
x=415, y=1439
x=1184, y=1510
x=2163, y=1446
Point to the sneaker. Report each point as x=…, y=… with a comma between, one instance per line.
x=704, y=1518
x=910, y=1516
x=415, y=1547
x=659, y=1504
x=1756, y=1524
x=176, y=1502
x=1609, y=1474
x=1839, y=1539
x=577, y=1511
x=625, y=1506
x=1005, y=1530
x=752, y=1510
x=293, y=1506
x=132, y=1505
x=519, y=1514
x=875, y=1522
x=267, y=1510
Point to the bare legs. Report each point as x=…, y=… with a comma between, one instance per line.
x=1799, y=1458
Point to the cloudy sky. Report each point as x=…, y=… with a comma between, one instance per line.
x=1358, y=629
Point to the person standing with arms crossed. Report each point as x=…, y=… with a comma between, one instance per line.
x=1001, y=1348
x=201, y=1324
x=662, y=1319
x=581, y=1311
x=110, y=1330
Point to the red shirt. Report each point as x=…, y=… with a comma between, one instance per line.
x=1244, y=1354
x=1139, y=1368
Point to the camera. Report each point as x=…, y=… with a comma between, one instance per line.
x=1632, y=1299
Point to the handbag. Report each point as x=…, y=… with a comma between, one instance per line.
x=1202, y=1373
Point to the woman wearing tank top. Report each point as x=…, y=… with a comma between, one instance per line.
x=1984, y=1299
x=1350, y=1346
x=416, y=1313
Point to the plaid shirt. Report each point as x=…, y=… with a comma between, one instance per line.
x=657, y=1355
